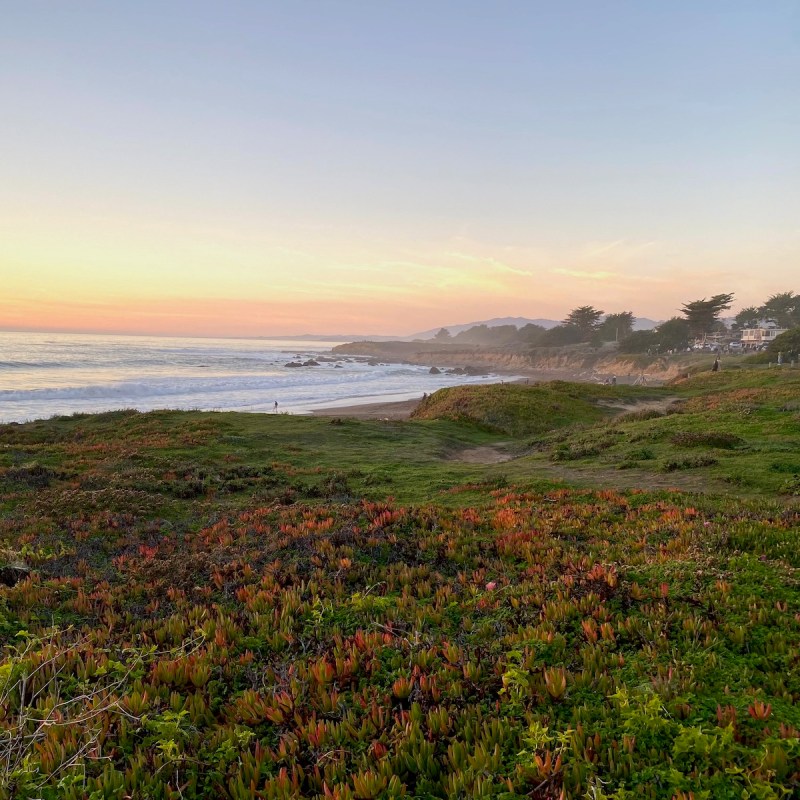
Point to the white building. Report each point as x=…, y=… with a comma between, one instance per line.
x=753, y=338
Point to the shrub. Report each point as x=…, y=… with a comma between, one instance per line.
x=32, y=474
x=688, y=463
x=642, y=454
x=791, y=486
x=641, y=415
x=787, y=343
x=574, y=452
x=724, y=441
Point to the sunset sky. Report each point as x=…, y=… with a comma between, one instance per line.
x=254, y=168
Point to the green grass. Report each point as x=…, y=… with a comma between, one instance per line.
x=742, y=427
x=523, y=410
x=202, y=451
x=266, y=606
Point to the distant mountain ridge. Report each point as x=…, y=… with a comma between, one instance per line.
x=518, y=322
x=642, y=324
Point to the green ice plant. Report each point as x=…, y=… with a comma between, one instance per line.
x=516, y=680
x=708, y=762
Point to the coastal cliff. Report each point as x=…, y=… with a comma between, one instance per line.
x=575, y=362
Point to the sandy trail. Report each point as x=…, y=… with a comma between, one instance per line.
x=661, y=404
x=387, y=411
x=485, y=454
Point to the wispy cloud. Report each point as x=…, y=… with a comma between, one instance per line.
x=599, y=275
x=493, y=263
x=620, y=249
x=607, y=275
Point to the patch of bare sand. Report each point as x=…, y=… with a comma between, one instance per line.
x=387, y=411
x=485, y=454
x=661, y=404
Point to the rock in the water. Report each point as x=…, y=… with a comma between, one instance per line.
x=311, y=363
x=293, y=364
x=434, y=371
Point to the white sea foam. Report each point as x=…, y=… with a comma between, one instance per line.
x=42, y=375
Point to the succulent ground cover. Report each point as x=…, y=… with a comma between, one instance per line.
x=245, y=606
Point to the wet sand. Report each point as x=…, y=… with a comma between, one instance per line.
x=393, y=411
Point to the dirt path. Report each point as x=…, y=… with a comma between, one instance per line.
x=485, y=454
x=392, y=410
x=661, y=404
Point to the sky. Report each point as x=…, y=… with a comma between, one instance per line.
x=255, y=168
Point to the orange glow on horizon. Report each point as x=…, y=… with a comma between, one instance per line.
x=192, y=282
x=227, y=318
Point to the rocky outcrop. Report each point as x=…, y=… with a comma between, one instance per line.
x=295, y=364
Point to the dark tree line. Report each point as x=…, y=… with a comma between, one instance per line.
x=700, y=318
x=493, y=336
x=587, y=324
x=781, y=310
x=703, y=316
x=673, y=334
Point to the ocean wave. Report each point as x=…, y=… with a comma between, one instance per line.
x=310, y=378
x=32, y=364
x=49, y=375
x=138, y=362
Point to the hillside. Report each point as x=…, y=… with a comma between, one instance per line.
x=521, y=410
x=264, y=606
x=574, y=362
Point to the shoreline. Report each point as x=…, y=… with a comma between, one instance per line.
x=392, y=409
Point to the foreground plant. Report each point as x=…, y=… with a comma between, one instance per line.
x=561, y=643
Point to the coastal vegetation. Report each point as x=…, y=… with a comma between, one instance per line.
x=590, y=343
x=520, y=410
x=227, y=605
x=785, y=345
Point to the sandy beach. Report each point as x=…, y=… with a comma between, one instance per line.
x=400, y=410
x=393, y=411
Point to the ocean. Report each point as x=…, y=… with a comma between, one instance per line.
x=48, y=374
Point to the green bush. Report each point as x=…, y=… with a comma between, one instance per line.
x=791, y=486
x=675, y=465
x=724, y=441
x=641, y=416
